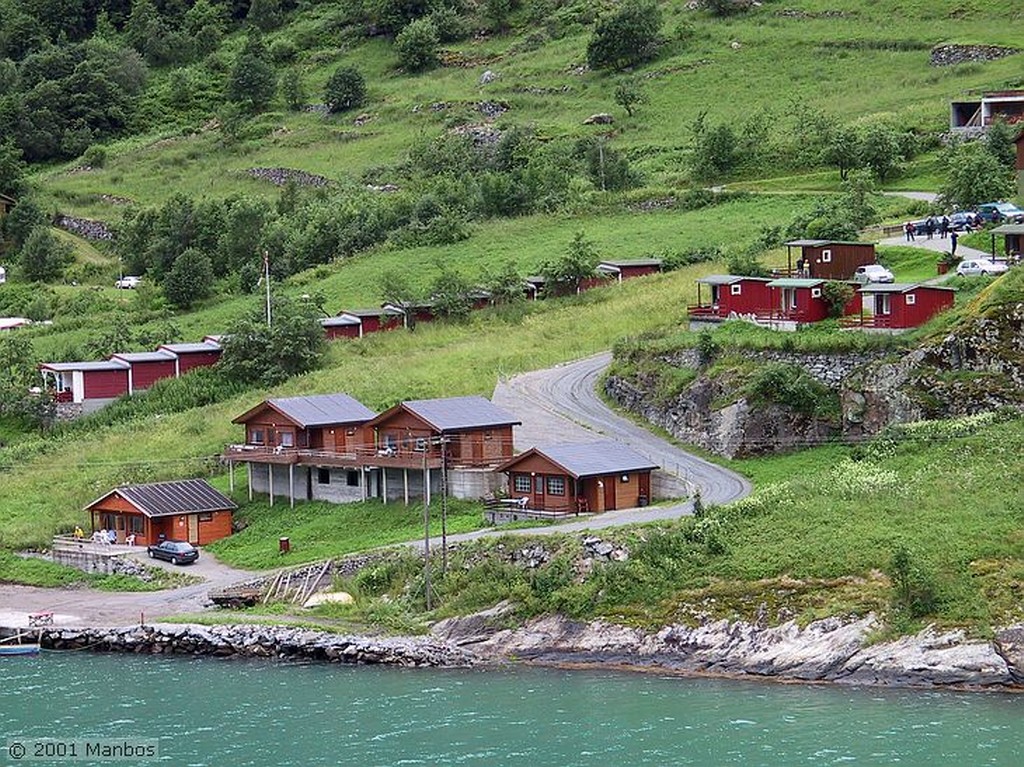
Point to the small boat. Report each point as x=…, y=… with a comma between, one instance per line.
x=19, y=649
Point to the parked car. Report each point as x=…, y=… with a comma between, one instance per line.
x=975, y=266
x=128, y=283
x=175, y=552
x=1001, y=212
x=961, y=220
x=873, y=273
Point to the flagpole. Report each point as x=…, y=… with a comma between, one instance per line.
x=266, y=280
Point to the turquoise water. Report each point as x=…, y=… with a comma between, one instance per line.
x=231, y=712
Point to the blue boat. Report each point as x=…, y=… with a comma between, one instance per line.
x=19, y=649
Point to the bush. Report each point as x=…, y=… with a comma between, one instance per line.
x=914, y=589
x=43, y=256
x=791, y=386
x=95, y=156
x=345, y=90
x=625, y=37
x=416, y=46
x=837, y=295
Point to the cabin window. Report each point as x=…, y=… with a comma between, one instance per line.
x=137, y=525
x=286, y=439
x=911, y=299
x=256, y=436
x=421, y=444
x=323, y=476
x=736, y=289
x=522, y=483
x=351, y=431
x=624, y=479
x=390, y=442
x=826, y=256
x=352, y=478
x=488, y=434
x=205, y=517
x=815, y=292
x=556, y=485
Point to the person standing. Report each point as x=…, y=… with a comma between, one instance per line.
x=953, y=237
x=929, y=227
x=944, y=226
x=909, y=230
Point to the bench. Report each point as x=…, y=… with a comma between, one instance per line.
x=40, y=619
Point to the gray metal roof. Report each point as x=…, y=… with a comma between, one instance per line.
x=202, y=346
x=162, y=499
x=728, y=279
x=156, y=356
x=619, y=263
x=1008, y=229
x=794, y=282
x=323, y=409
x=370, y=312
x=899, y=287
x=590, y=459
x=342, y=319
x=453, y=413
x=63, y=367
x=819, y=243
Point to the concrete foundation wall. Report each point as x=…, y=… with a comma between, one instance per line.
x=261, y=481
x=338, y=490
x=475, y=483
x=87, y=561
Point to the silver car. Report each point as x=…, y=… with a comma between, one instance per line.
x=972, y=267
x=873, y=273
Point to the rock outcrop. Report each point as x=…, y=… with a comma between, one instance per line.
x=951, y=54
x=832, y=650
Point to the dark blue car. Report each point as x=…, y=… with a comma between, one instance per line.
x=175, y=552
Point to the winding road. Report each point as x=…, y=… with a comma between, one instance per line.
x=558, y=404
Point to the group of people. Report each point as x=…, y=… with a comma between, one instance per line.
x=940, y=225
x=104, y=537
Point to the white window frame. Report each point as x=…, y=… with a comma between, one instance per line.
x=826, y=256
x=815, y=292
x=736, y=289
x=911, y=299
x=522, y=484
x=556, y=486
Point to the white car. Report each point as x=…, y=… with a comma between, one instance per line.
x=128, y=283
x=873, y=273
x=975, y=266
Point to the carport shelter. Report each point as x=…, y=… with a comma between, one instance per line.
x=185, y=510
x=592, y=476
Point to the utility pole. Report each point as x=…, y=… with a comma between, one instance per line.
x=426, y=532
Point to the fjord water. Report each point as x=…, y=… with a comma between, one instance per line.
x=224, y=713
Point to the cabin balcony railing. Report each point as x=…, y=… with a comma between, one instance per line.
x=702, y=310
x=866, y=321
x=262, y=453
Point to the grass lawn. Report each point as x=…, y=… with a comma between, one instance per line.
x=34, y=571
x=909, y=264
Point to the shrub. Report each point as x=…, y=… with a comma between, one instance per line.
x=43, y=256
x=793, y=387
x=416, y=46
x=95, y=156
x=837, y=295
x=914, y=588
x=345, y=90
x=625, y=37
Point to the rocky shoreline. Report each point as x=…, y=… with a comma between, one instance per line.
x=831, y=650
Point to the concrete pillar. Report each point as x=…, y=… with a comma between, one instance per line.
x=291, y=485
x=405, y=484
x=270, y=481
x=231, y=476
x=248, y=478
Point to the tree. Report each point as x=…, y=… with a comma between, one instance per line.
x=346, y=89
x=607, y=169
x=974, y=176
x=262, y=355
x=626, y=36
x=837, y=295
x=293, y=90
x=24, y=218
x=43, y=256
x=629, y=93
x=205, y=23
x=505, y=285
x=882, y=151
x=497, y=13
x=416, y=46
x=252, y=81
x=714, y=152
x=452, y=294
x=567, y=274
x=395, y=15
x=17, y=362
x=190, y=279
x=999, y=141
x=265, y=14
x=11, y=167
x=146, y=32
x=842, y=150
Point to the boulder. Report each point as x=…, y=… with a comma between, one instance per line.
x=601, y=118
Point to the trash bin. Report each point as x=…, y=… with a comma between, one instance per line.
x=284, y=545
x=641, y=500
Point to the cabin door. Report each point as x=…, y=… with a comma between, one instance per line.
x=193, y=528
x=537, y=502
x=643, y=489
x=609, y=493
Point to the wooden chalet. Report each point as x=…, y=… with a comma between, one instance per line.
x=1019, y=165
x=801, y=300
x=977, y=114
x=342, y=326
x=1013, y=240
x=725, y=295
x=590, y=477
x=628, y=269
x=827, y=259
x=467, y=436
x=306, y=448
x=186, y=510
x=897, y=307
x=89, y=384
x=191, y=356
x=146, y=368
x=6, y=203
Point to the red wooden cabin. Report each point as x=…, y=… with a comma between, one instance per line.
x=731, y=294
x=187, y=510
x=146, y=368
x=533, y=287
x=413, y=314
x=802, y=300
x=342, y=326
x=628, y=269
x=828, y=259
x=595, y=476
x=374, y=320
x=191, y=356
x=901, y=306
x=86, y=382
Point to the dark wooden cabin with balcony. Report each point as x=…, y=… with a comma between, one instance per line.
x=306, y=448
x=468, y=435
x=588, y=477
x=827, y=259
x=186, y=510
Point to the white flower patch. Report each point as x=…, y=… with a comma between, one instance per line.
x=857, y=479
